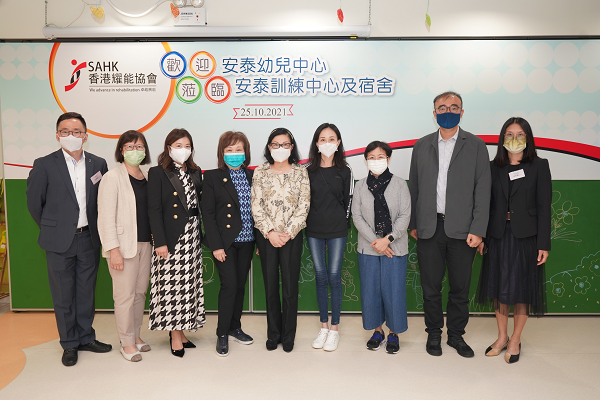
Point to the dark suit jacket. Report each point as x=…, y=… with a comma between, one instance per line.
x=221, y=209
x=530, y=202
x=467, y=190
x=167, y=206
x=52, y=203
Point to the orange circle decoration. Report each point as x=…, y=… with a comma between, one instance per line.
x=202, y=58
x=160, y=114
x=210, y=93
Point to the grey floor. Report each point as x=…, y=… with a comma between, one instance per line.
x=560, y=360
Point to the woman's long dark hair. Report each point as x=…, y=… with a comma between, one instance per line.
x=165, y=160
x=529, y=154
x=294, y=155
x=314, y=157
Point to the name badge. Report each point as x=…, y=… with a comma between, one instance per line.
x=518, y=174
x=96, y=177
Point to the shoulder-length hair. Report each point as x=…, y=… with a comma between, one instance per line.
x=129, y=137
x=339, y=158
x=294, y=157
x=529, y=154
x=165, y=160
x=230, y=138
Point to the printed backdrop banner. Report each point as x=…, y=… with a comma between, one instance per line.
x=372, y=90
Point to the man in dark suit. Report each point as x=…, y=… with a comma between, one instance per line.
x=450, y=192
x=62, y=193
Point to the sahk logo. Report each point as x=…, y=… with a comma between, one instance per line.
x=75, y=75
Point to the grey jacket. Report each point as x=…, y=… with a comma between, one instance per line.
x=397, y=197
x=468, y=187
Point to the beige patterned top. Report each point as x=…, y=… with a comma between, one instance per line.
x=280, y=202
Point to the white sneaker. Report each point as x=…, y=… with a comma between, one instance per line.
x=320, y=340
x=332, y=341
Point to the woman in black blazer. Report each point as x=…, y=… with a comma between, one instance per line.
x=518, y=235
x=174, y=190
x=230, y=232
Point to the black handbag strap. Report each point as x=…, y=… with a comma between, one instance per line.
x=331, y=191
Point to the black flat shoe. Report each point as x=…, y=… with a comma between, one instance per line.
x=512, y=358
x=271, y=345
x=288, y=347
x=69, y=357
x=95, y=347
x=176, y=353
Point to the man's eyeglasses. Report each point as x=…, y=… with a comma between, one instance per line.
x=65, y=133
x=453, y=109
x=277, y=145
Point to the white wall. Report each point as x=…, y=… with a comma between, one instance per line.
x=24, y=19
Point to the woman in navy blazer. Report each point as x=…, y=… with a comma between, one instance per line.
x=230, y=232
x=518, y=235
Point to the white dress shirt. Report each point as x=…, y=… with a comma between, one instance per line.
x=77, y=173
x=445, y=150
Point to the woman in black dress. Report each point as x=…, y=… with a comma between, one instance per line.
x=174, y=188
x=518, y=235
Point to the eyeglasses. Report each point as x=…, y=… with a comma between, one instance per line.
x=65, y=133
x=278, y=145
x=453, y=109
x=519, y=135
x=373, y=158
x=129, y=147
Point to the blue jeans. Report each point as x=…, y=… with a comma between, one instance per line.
x=383, y=291
x=328, y=274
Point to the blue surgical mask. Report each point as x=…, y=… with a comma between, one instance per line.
x=448, y=120
x=234, y=160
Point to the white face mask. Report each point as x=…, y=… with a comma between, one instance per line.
x=281, y=154
x=377, y=167
x=71, y=143
x=328, y=149
x=180, y=155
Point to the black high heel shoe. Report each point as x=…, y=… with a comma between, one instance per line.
x=512, y=358
x=188, y=344
x=176, y=353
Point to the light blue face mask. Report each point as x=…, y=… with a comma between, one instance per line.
x=234, y=160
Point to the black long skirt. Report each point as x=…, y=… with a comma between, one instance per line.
x=510, y=275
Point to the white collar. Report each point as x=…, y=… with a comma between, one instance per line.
x=453, y=136
x=69, y=158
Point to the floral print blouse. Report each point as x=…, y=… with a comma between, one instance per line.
x=280, y=201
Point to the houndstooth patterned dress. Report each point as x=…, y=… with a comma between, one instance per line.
x=177, y=291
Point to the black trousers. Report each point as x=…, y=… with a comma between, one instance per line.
x=72, y=277
x=434, y=255
x=281, y=318
x=233, y=273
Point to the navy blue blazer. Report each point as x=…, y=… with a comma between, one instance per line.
x=52, y=203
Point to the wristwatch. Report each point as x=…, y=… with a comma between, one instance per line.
x=390, y=238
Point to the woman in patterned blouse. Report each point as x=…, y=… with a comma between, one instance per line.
x=230, y=232
x=280, y=204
